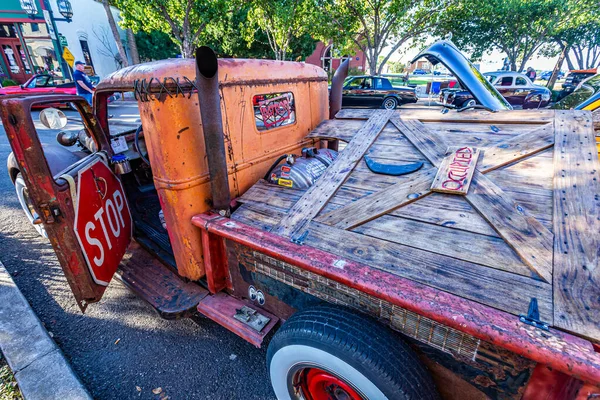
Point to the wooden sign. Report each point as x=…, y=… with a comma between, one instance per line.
x=456, y=170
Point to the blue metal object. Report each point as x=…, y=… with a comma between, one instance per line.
x=395, y=170
x=445, y=52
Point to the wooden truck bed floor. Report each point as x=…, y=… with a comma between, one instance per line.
x=526, y=225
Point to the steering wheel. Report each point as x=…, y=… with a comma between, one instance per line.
x=136, y=142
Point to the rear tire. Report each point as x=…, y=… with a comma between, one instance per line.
x=332, y=351
x=22, y=195
x=390, y=103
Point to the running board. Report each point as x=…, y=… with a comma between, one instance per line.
x=158, y=285
x=240, y=317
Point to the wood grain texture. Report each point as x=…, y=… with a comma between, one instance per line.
x=576, y=225
x=479, y=249
x=521, y=117
x=456, y=170
x=317, y=196
x=428, y=142
x=499, y=289
x=525, y=234
x=517, y=147
x=382, y=202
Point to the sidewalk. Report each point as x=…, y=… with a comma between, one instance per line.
x=40, y=368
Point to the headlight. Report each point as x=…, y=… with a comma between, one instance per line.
x=546, y=96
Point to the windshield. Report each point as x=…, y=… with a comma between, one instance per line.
x=584, y=92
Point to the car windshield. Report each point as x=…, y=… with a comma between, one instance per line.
x=587, y=89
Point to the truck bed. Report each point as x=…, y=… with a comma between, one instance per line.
x=527, y=227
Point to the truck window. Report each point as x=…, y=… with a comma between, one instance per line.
x=274, y=110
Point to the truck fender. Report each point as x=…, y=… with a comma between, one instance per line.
x=57, y=157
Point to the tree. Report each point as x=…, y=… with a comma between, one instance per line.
x=518, y=28
x=185, y=21
x=155, y=45
x=579, y=31
x=104, y=38
x=282, y=21
x=377, y=27
x=115, y=32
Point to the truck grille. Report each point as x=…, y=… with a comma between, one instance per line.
x=425, y=330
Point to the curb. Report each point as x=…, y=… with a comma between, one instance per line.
x=39, y=366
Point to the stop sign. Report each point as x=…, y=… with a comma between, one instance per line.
x=102, y=220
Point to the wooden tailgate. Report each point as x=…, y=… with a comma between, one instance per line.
x=525, y=226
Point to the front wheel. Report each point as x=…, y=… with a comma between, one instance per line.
x=330, y=352
x=390, y=103
x=469, y=103
x=26, y=205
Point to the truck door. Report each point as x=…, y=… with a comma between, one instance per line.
x=83, y=207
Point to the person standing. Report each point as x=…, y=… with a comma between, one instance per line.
x=83, y=84
x=531, y=74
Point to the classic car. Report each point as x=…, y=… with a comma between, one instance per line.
x=41, y=83
x=546, y=75
x=516, y=88
x=376, y=91
x=574, y=78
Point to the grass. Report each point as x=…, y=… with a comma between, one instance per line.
x=8, y=385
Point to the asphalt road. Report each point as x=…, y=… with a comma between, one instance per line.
x=120, y=344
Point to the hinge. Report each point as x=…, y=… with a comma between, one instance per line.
x=533, y=316
x=49, y=213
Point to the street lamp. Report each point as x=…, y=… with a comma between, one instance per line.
x=65, y=9
x=29, y=7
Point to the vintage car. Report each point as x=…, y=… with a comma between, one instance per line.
x=41, y=83
x=376, y=92
x=516, y=88
x=574, y=78
x=240, y=214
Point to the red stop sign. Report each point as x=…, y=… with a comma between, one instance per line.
x=102, y=220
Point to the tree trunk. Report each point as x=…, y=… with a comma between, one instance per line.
x=187, y=48
x=557, y=67
x=135, y=55
x=115, y=32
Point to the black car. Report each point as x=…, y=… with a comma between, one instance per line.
x=376, y=92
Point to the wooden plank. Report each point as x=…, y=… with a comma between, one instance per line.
x=521, y=117
x=317, y=196
x=430, y=143
x=576, y=225
x=456, y=170
x=382, y=202
x=526, y=235
x=479, y=249
x=518, y=147
x=498, y=289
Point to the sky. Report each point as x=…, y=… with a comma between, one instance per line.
x=489, y=62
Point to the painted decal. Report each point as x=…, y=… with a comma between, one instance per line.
x=456, y=170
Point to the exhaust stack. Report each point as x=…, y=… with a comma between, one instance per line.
x=207, y=81
x=337, y=85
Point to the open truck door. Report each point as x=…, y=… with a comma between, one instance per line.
x=83, y=207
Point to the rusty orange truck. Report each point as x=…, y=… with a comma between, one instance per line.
x=381, y=254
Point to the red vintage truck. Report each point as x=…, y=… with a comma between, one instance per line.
x=381, y=254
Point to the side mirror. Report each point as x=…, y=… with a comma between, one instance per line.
x=53, y=118
x=66, y=138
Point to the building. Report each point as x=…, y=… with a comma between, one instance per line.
x=34, y=33
x=325, y=57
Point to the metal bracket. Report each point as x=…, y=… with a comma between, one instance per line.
x=251, y=317
x=533, y=316
x=299, y=239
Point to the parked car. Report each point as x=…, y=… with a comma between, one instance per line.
x=41, y=83
x=574, y=78
x=516, y=88
x=420, y=72
x=377, y=92
x=546, y=75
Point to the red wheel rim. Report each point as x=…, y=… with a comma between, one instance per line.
x=317, y=384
